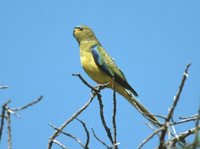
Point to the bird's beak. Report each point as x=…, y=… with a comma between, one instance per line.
x=76, y=30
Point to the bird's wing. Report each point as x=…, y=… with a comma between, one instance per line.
x=108, y=66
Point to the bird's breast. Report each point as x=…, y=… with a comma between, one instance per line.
x=91, y=68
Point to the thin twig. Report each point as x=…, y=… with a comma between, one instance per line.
x=171, y=110
x=3, y=112
x=149, y=137
x=57, y=132
x=87, y=133
x=184, y=120
x=84, y=81
x=95, y=92
x=28, y=105
x=103, y=119
x=59, y=144
x=3, y=87
x=188, y=117
x=114, y=117
x=182, y=136
x=68, y=134
x=98, y=139
x=196, y=138
x=9, y=129
x=159, y=116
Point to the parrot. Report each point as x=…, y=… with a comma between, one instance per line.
x=103, y=70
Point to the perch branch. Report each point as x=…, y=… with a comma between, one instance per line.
x=95, y=92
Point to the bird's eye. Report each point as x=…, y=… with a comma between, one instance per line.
x=81, y=28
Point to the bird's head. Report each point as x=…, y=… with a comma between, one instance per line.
x=83, y=33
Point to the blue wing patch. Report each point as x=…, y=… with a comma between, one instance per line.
x=100, y=61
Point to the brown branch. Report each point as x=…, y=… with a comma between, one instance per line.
x=95, y=92
x=114, y=117
x=171, y=110
x=150, y=137
x=182, y=136
x=98, y=139
x=3, y=112
x=59, y=144
x=3, y=87
x=196, y=139
x=103, y=119
x=84, y=81
x=57, y=132
x=185, y=120
x=9, y=129
x=27, y=105
x=68, y=135
x=188, y=117
x=87, y=133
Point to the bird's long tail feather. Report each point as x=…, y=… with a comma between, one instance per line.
x=132, y=99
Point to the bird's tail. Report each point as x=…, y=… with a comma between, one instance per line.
x=133, y=100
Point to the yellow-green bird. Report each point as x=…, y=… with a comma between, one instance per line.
x=101, y=68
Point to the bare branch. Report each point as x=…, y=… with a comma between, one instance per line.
x=68, y=134
x=3, y=112
x=196, y=139
x=57, y=132
x=59, y=144
x=171, y=111
x=150, y=137
x=28, y=105
x=84, y=81
x=87, y=133
x=114, y=117
x=98, y=139
x=3, y=87
x=9, y=129
x=189, y=119
x=103, y=119
x=182, y=136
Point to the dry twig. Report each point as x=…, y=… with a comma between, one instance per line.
x=4, y=107
x=3, y=87
x=57, y=132
x=87, y=133
x=98, y=139
x=6, y=114
x=114, y=117
x=95, y=92
x=196, y=139
x=171, y=111
x=59, y=144
x=68, y=134
x=182, y=136
x=27, y=105
x=107, y=129
x=9, y=129
x=150, y=137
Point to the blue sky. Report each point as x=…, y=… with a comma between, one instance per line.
x=151, y=41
